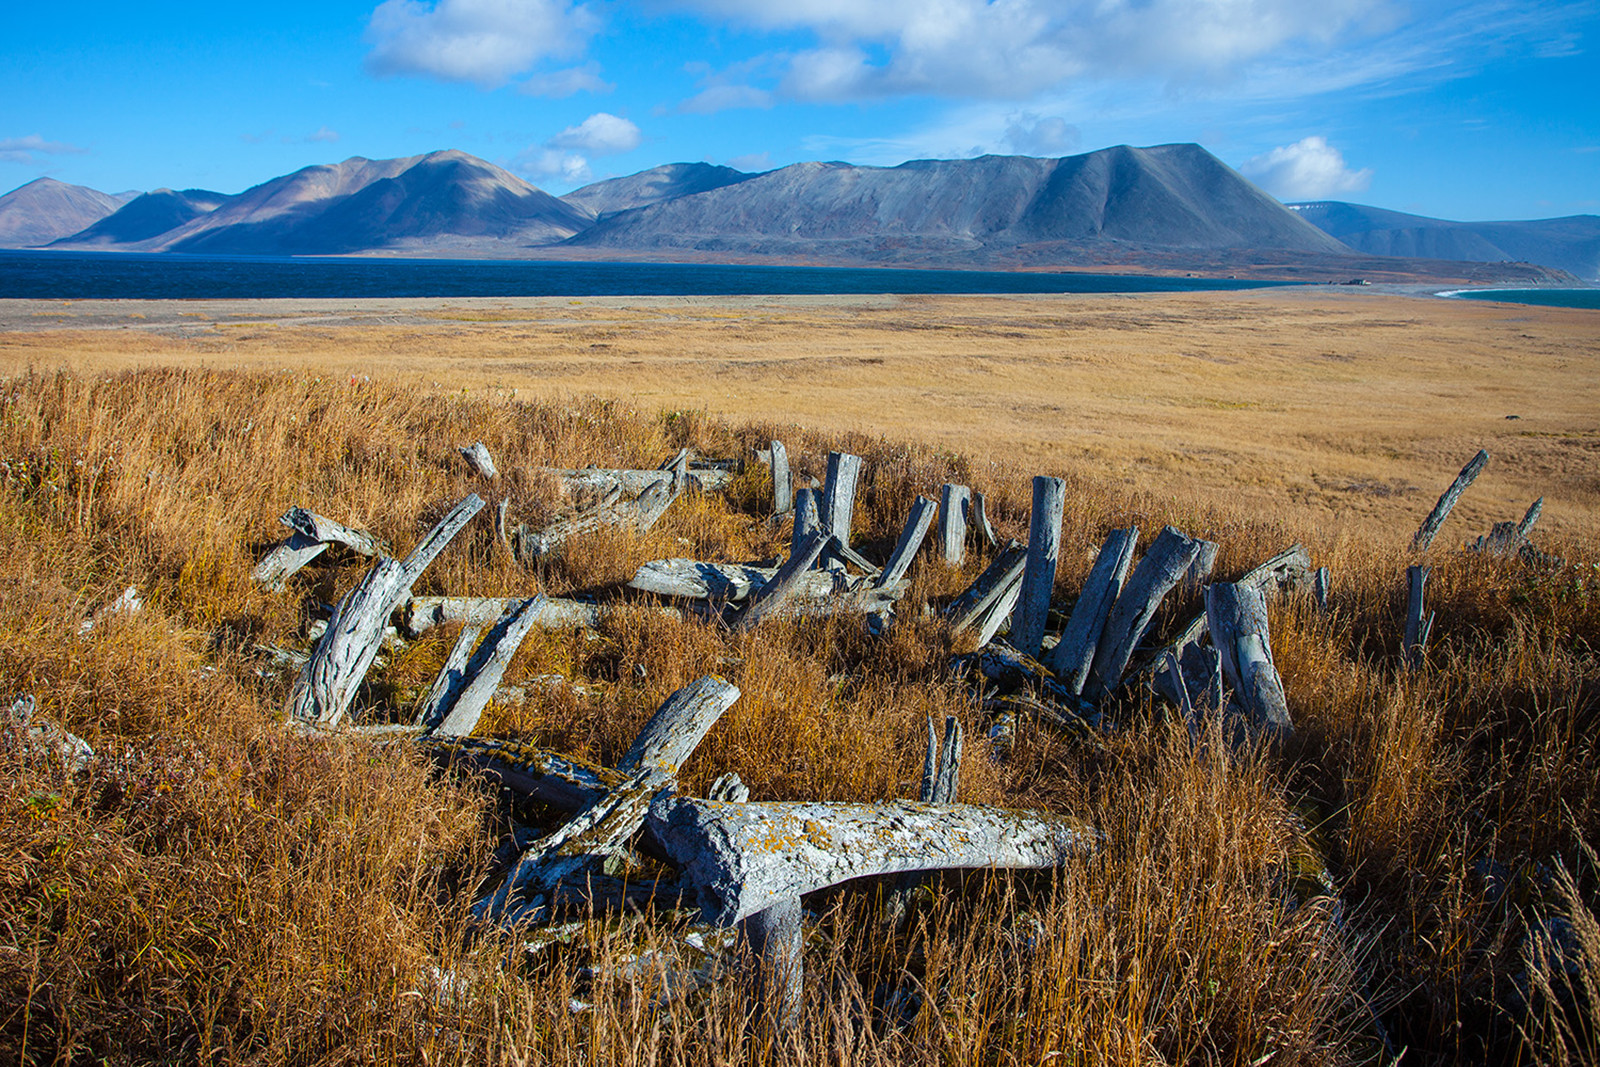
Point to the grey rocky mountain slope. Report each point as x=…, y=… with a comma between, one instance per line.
x=442, y=199
x=46, y=209
x=145, y=217
x=1171, y=196
x=652, y=186
x=1571, y=244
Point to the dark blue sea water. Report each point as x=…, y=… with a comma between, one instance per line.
x=1555, y=298
x=101, y=275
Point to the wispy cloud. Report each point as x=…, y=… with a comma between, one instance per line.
x=322, y=136
x=755, y=161
x=486, y=42
x=717, y=98
x=1033, y=135
x=560, y=84
x=1309, y=169
x=28, y=149
x=1012, y=49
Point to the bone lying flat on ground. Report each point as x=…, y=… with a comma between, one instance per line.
x=129, y=603
x=39, y=734
x=699, y=580
x=423, y=613
x=743, y=858
x=638, y=514
x=601, y=480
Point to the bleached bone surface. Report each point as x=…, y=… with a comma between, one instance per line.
x=744, y=858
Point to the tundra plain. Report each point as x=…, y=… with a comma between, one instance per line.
x=1346, y=408
x=1411, y=877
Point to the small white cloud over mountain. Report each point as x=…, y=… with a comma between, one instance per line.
x=552, y=165
x=600, y=134
x=481, y=41
x=1309, y=169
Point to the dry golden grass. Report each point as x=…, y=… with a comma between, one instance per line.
x=1340, y=407
x=224, y=891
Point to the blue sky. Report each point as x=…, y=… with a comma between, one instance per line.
x=1474, y=110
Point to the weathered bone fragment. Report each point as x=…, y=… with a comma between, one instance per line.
x=580, y=845
x=911, y=538
x=325, y=687
x=478, y=458
x=461, y=696
x=839, y=495
x=980, y=520
x=1163, y=566
x=1441, y=511
x=1039, y=572
x=773, y=594
x=1417, y=627
x=740, y=859
x=1073, y=655
x=953, y=504
x=992, y=593
x=1237, y=615
x=782, y=480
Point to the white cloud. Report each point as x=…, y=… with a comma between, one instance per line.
x=601, y=134
x=1309, y=169
x=28, y=149
x=323, y=136
x=1032, y=135
x=481, y=41
x=1010, y=49
x=559, y=84
x=548, y=164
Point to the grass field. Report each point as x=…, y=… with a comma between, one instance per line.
x=222, y=889
x=1341, y=407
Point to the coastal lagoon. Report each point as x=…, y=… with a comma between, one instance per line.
x=46, y=275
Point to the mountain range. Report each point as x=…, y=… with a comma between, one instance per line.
x=1571, y=244
x=1167, y=206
